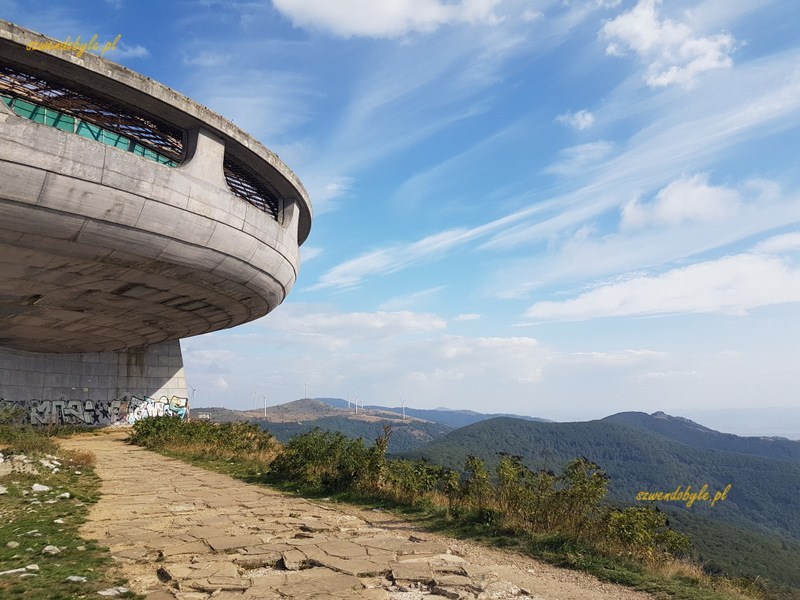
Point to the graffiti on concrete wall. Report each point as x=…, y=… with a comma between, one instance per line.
x=96, y=413
x=141, y=408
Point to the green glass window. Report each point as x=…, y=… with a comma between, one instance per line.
x=59, y=120
x=90, y=131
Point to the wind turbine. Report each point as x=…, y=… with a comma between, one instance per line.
x=403, y=404
x=265, y=406
x=355, y=401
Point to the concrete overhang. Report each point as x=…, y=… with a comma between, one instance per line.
x=103, y=250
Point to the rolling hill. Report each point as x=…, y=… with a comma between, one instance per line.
x=763, y=494
x=300, y=416
x=445, y=416
x=755, y=532
x=695, y=435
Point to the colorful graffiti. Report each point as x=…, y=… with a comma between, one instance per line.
x=141, y=408
x=96, y=413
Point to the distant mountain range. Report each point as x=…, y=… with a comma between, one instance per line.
x=445, y=416
x=300, y=416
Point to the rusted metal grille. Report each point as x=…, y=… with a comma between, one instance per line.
x=158, y=137
x=246, y=186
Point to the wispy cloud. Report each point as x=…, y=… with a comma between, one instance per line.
x=348, y=18
x=467, y=317
x=125, y=51
x=578, y=120
x=397, y=257
x=673, y=52
x=686, y=199
x=729, y=285
x=411, y=300
x=577, y=159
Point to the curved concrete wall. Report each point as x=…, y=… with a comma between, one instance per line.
x=102, y=250
x=107, y=258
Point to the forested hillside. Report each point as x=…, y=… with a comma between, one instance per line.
x=692, y=434
x=406, y=436
x=763, y=494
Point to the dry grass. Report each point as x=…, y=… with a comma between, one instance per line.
x=81, y=459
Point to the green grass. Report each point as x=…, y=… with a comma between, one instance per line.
x=30, y=521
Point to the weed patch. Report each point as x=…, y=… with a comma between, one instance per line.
x=45, y=496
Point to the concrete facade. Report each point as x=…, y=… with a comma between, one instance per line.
x=106, y=255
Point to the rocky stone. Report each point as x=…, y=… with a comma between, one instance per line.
x=51, y=550
x=293, y=560
x=114, y=591
x=76, y=579
x=38, y=487
x=409, y=572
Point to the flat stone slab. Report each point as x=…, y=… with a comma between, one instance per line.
x=318, y=581
x=405, y=572
x=221, y=539
x=293, y=560
x=186, y=548
x=232, y=542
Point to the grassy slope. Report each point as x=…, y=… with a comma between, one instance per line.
x=29, y=519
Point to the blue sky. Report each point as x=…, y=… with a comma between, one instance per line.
x=563, y=208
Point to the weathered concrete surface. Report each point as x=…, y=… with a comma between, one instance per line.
x=102, y=250
x=184, y=533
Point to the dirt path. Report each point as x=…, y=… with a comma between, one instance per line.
x=182, y=532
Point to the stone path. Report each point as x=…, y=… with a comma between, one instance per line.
x=183, y=533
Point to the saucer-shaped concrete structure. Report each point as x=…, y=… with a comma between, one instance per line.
x=130, y=217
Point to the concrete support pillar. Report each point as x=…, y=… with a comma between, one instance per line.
x=205, y=156
x=95, y=388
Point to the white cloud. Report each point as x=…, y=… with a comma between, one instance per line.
x=779, y=244
x=341, y=329
x=531, y=16
x=467, y=317
x=263, y=102
x=614, y=358
x=309, y=252
x=387, y=18
x=575, y=159
x=220, y=384
x=730, y=285
x=670, y=374
x=674, y=54
x=400, y=256
x=579, y=120
x=207, y=58
x=408, y=301
x=519, y=360
x=685, y=199
x=125, y=51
